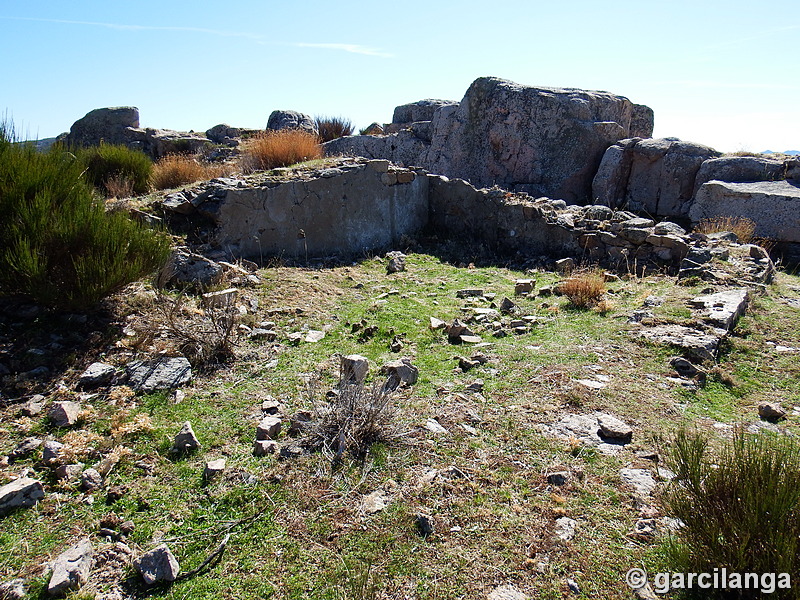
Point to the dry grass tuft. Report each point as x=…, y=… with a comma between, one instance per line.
x=272, y=149
x=584, y=289
x=179, y=169
x=743, y=227
x=331, y=128
x=119, y=186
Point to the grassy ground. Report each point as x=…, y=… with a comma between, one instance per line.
x=298, y=528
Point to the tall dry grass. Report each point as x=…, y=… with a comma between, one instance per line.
x=272, y=149
x=743, y=227
x=179, y=169
x=584, y=289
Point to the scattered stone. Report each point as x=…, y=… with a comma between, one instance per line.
x=25, y=448
x=686, y=368
x=51, y=453
x=373, y=503
x=70, y=472
x=301, y=420
x=507, y=592
x=159, y=564
x=565, y=528
x=220, y=299
x=433, y=426
x=469, y=293
x=354, y=368
x=558, y=478
x=91, y=479
x=614, y=428
x=476, y=386
x=592, y=384
x=263, y=334
x=265, y=447
x=523, y=287
x=148, y=376
x=185, y=269
x=436, y=324
x=12, y=590
x=213, y=469
x=185, y=441
x=400, y=372
x=641, y=480
x=565, y=265
x=723, y=309
x=20, y=493
x=96, y=374
x=573, y=586
x=546, y=290
x=269, y=428
x=71, y=568
x=771, y=411
x=397, y=262
x=425, y=525
x=65, y=413
x=702, y=345
x=33, y=407
x=507, y=306
x=396, y=345
x=313, y=336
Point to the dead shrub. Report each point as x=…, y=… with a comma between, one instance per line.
x=272, y=149
x=331, y=128
x=174, y=170
x=119, y=186
x=351, y=420
x=743, y=227
x=584, y=289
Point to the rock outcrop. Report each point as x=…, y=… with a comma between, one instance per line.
x=109, y=125
x=544, y=141
x=290, y=119
x=740, y=169
x=652, y=175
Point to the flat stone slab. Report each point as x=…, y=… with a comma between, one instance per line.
x=641, y=480
x=586, y=429
x=722, y=309
x=71, y=568
x=148, y=376
x=20, y=493
x=700, y=344
x=159, y=564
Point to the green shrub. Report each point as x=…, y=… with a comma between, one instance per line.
x=58, y=245
x=740, y=507
x=331, y=128
x=109, y=163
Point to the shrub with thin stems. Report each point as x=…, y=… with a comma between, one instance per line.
x=331, y=128
x=174, y=170
x=112, y=162
x=740, y=506
x=584, y=289
x=58, y=245
x=272, y=149
x=743, y=227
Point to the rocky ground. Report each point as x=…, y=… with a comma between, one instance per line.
x=523, y=453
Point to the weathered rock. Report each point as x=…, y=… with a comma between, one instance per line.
x=400, y=372
x=186, y=269
x=397, y=262
x=185, y=440
x=558, y=478
x=159, y=564
x=425, y=525
x=52, y=452
x=771, y=411
x=653, y=175
x=20, y=493
x=65, y=413
x=507, y=592
x=290, y=119
x=523, y=286
x=269, y=428
x=565, y=528
x=91, y=479
x=148, y=376
x=71, y=568
x=96, y=374
x=69, y=473
x=354, y=368
x=220, y=298
x=614, y=428
x=265, y=447
x=421, y=110
x=772, y=205
x=373, y=503
x=25, y=448
x=109, y=125
x=686, y=368
x=213, y=469
x=12, y=590
x=402, y=148
x=702, y=345
x=722, y=309
x=739, y=169
x=642, y=121
x=641, y=480
x=223, y=133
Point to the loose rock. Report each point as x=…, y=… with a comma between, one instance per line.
x=771, y=411
x=614, y=428
x=71, y=568
x=213, y=469
x=185, y=441
x=269, y=428
x=148, y=376
x=20, y=493
x=354, y=368
x=159, y=564
x=96, y=374
x=400, y=372
x=64, y=414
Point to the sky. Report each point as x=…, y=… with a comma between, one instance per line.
x=723, y=74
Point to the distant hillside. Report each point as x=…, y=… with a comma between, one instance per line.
x=791, y=152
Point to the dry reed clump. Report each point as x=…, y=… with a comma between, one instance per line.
x=272, y=149
x=743, y=227
x=331, y=128
x=119, y=186
x=179, y=169
x=584, y=289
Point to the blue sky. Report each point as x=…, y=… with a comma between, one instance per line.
x=720, y=73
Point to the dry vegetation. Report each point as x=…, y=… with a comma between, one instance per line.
x=272, y=149
x=743, y=227
x=174, y=170
x=584, y=289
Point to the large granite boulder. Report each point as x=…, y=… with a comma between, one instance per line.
x=402, y=148
x=740, y=169
x=642, y=121
x=421, y=110
x=773, y=205
x=290, y=119
x=109, y=125
x=544, y=141
x=652, y=175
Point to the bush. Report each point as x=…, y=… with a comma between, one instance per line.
x=107, y=164
x=331, y=128
x=179, y=169
x=58, y=245
x=743, y=227
x=584, y=289
x=271, y=149
x=740, y=508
